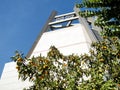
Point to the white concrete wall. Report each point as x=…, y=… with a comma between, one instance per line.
x=69, y=40
x=9, y=79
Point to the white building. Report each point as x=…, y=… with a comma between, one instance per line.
x=69, y=32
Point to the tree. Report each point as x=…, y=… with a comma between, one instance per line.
x=107, y=12
x=97, y=70
x=53, y=72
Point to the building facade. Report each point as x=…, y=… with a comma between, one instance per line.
x=68, y=32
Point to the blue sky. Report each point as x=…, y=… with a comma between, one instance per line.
x=21, y=22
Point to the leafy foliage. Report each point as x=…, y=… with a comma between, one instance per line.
x=54, y=72
x=98, y=70
x=107, y=12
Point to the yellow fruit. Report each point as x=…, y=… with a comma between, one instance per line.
x=114, y=38
x=104, y=37
x=19, y=59
x=45, y=66
x=17, y=67
x=101, y=60
x=76, y=64
x=32, y=79
x=30, y=62
x=104, y=47
x=46, y=61
x=119, y=85
x=64, y=65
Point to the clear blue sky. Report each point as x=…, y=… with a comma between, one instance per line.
x=21, y=22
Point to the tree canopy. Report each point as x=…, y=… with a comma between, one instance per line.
x=107, y=13
x=98, y=70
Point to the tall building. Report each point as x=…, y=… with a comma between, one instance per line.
x=69, y=32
